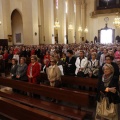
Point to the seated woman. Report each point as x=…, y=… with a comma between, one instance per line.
x=22, y=70
x=93, y=66
x=109, y=86
x=33, y=71
x=54, y=74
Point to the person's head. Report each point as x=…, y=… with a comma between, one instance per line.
x=53, y=61
x=93, y=55
x=81, y=53
x=105, y=51
x=47, y=53
x=108, y=69
x=108, y=59
x=14, y=61
x=22, y=60
x=63, y=55
x=5, y=51
x=46, y=62
x=69, y=53
x=118, y=49
x=34, y=58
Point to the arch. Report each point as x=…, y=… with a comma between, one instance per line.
x=17, y=27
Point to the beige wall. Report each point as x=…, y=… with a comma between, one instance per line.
x=96, y=23
x=38, y=17
x=29, y=13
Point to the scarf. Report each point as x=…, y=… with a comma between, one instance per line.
x=106, y=80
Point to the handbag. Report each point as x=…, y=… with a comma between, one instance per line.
x=106, y=109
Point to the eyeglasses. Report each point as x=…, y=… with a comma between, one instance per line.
x=32, y=59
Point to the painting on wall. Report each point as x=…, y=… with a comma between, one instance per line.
x=18, y=37
x=9, y=38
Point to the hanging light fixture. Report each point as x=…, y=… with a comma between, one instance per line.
x=57, y=25
x=86, y=30
x=116, y=22
x=80, y=29
x=70, y=27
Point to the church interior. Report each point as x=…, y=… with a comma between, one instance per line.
x=59, y=59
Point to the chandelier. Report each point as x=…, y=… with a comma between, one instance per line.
x=70, y=27
x=81, y=30
x=86, y=30
x=57, y=25
x=117, y=22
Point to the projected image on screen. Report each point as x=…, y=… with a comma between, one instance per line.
x=106, y=36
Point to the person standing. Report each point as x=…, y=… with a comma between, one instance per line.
x=33, y=71
x=108, y=85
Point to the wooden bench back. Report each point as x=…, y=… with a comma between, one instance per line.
x=75, y=97
x=72, y=80
x=16, y=111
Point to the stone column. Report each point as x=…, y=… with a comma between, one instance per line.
x=83, y=18
x=35, y=22
x=5, y=18
x=62, y=21
x=78, y=20
x=48, y=6
x=41, y=21
x=71, y=20
x=1, y=20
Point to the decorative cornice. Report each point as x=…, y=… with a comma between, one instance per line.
x=107, y=11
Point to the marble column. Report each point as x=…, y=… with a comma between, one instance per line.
x=5, y=18
x=48, y=6
x=71, y=20
x=78, y=20
x=1, y=20
x=35, y=22
x=83, y=18
x=62, y=21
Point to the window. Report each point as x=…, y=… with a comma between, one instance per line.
x=106, y=36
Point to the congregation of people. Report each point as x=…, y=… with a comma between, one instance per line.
x=83, y=60
x=26, y=63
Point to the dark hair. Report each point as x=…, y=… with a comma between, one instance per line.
x=23, y=59
x=70, y=51
x=82, y=51
x=111, y=57
x=34, y=57
x=15, y=60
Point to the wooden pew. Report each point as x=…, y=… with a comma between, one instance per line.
x=72, y=80
x=75, y=97
x=16, y=111
x=69, y=81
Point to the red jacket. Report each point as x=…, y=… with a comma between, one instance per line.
x=33, y=52
x=35, y=70
x=5, y=56
x=47, y=57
